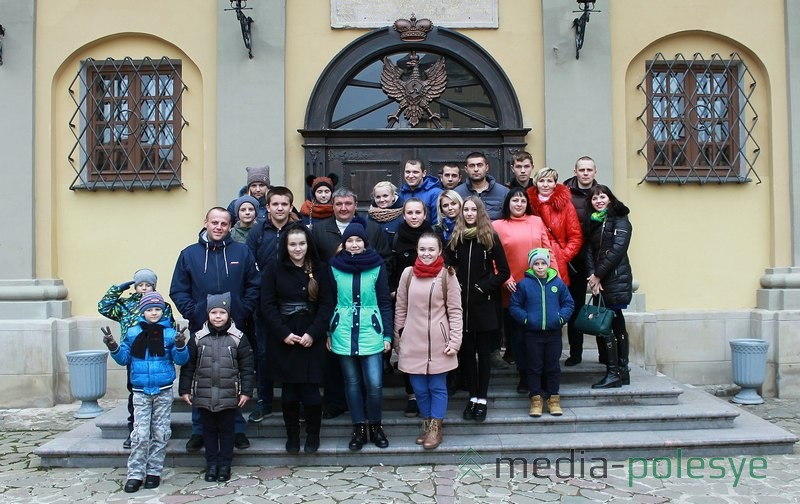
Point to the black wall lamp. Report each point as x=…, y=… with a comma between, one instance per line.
x=2, y=36
x=244, y=22
x=579, y=23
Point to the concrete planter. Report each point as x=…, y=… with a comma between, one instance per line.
x=87, y=380
x=749, y=367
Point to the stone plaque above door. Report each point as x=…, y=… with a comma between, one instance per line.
x=447, y=13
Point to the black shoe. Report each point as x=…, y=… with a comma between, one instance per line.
x=610, y=380
x=127, y=443
x=480, y=412
x=240, y=441
x=312, y=443
x=132, y=485
x=469, y=411
x=224, y=473
x=625, y=377
x=412, y=410
x=211, y=473
x=359, y=437
x=195, y=443
x=572, y=361
x=293, y=443
x=377, y=436
x=332, y=411
x=152, y=481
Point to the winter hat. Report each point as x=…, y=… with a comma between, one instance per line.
x=357, y=227
x=257, y=174
x=321, y=181
x=145, y=275
x=539, y=253
x=219, y=301
x=151, y=300
x=242, y=200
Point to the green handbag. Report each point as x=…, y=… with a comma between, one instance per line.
x=594, y=319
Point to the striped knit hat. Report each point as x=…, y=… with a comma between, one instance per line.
x=151, y=300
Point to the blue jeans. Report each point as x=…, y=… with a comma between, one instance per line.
x=240, y=426
x=358, y=371
x=431, y=392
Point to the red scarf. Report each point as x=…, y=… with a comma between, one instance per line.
x=422, y=270
x=316, y=210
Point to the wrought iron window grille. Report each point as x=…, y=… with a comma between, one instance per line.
x=699, y=120
x=128, y=124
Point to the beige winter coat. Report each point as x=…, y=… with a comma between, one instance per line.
x=427, y=325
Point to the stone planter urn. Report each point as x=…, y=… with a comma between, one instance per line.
x=87, y=380
x=749, y=367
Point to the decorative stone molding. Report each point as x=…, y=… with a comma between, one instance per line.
x=447, y=13
x=781, y=289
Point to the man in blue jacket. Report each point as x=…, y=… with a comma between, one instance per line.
x=421, y=186
x=213, y=265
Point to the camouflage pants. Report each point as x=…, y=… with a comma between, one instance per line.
x=151, y=431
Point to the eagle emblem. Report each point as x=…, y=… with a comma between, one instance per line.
x=414, y=94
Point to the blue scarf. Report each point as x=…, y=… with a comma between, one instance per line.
x=349, y=263
x=447, y=228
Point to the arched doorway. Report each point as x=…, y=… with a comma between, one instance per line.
x=348, y=129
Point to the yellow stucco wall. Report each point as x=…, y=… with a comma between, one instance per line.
x=94, y=239
x=703, y=247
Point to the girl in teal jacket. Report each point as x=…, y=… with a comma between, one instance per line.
x=361, y=330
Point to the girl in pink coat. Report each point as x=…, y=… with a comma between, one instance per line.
x=428, y=328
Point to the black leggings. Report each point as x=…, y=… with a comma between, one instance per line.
x=477, y=373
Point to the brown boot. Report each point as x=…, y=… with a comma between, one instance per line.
x=426, y=426
x=536, y=406
x=554, y=405
x=434, y=437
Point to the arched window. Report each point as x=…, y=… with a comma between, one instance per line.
x=348, y=129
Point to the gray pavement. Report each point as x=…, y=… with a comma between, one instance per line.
x=772, y=478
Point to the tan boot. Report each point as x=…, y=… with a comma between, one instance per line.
x=434, y=437
x=554, y=405
x=426, y=426
x=536, y=406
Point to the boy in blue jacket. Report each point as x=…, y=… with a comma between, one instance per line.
x=125, y=310
x=151, y=348
x=542, y=304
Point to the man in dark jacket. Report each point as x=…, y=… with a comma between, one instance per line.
x=579, y=185
x=483, y=185
x=264, y=242
x=521, y=169
x=213, y=265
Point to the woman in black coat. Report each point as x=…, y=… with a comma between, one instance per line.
x=477, y=255
x=297, y=309
x=608, y=236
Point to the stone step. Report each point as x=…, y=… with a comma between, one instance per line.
x=583, y=433
x=504, y=403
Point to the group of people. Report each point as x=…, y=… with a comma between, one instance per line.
x=437, y=271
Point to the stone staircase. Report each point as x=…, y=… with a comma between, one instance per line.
x=652, y=417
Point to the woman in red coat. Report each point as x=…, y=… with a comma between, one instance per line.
x=553, y=203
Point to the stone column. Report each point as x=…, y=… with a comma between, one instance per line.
x=29, y=334
x=781, y=285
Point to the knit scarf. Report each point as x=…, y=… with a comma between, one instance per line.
x=150, y=339
x=384, y=214
x=356, y=263
x=316, y=210
x=599, y=216
x=422, y=270
x=470, y=233
x=407, y=237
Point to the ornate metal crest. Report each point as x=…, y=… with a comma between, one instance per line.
x=414, y=94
